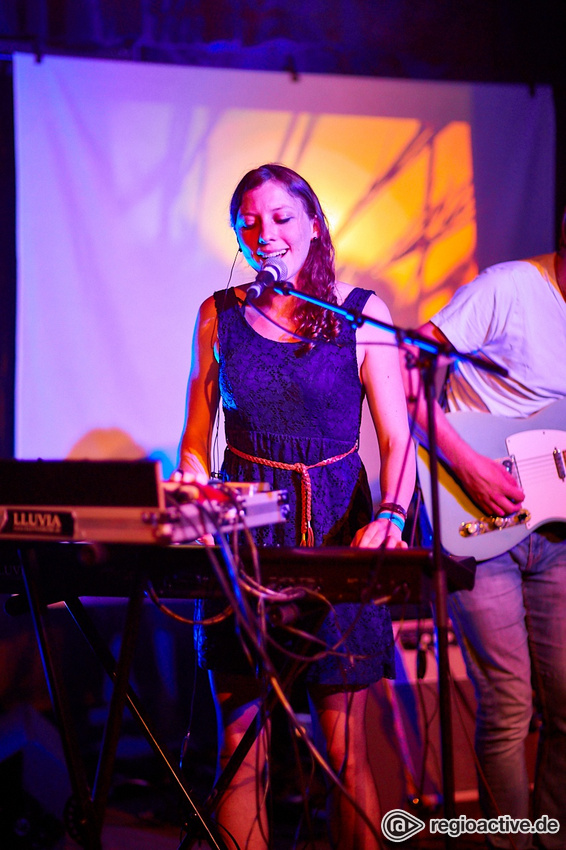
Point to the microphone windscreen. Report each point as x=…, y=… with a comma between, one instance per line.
x=276, y=266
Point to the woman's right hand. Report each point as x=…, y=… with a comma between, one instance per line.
x=187, y=479
x=378, y=533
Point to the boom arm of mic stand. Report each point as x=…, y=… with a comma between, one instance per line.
x=403, y=336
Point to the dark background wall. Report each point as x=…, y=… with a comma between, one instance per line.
x=447, y=40
x=489, y=40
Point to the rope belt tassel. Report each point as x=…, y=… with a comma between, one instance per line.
x=307, y=534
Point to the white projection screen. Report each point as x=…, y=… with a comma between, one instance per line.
x=124, y=175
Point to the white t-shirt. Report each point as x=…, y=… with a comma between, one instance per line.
x=514, y=314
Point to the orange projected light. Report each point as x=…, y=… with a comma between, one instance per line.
x=409, y=232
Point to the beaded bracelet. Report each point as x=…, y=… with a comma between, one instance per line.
x=396, y=509
x=394, y=518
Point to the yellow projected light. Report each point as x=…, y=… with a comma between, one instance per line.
x=398, y=193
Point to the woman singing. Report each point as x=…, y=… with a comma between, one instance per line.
x=292, y=377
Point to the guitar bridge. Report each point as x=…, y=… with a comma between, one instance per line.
x=560, y=460
x=493, y=523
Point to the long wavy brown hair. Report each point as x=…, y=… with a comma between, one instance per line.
x=317, y=277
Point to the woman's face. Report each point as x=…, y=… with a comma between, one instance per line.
x=273, y=223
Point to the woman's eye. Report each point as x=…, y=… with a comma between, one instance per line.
x=283, y=220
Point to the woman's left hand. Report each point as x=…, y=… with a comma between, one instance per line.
x=380, y=532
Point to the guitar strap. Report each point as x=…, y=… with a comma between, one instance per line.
x=442, y=389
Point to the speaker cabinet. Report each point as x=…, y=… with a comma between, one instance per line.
x=403, y=723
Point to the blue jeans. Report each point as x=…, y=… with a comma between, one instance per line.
x=512, y=632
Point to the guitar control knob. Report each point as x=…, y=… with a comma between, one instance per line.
x=470, y=529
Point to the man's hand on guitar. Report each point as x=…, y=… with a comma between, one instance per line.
x=489, y=484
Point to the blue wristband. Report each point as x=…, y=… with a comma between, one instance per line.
x=395, y=518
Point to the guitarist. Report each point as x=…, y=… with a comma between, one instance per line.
x=512, y=626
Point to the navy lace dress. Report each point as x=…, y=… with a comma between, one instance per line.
x=287, y=404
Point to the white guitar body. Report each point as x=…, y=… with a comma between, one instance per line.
x=535, y=450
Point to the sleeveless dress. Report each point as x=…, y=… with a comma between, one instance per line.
x=285, y=403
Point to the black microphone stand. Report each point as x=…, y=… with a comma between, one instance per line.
x=426, y=362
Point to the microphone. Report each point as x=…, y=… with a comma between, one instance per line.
x=273, y=269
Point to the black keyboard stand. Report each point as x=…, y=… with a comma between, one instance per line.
x=85, y=811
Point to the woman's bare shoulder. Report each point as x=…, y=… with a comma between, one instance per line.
x=207, y=309
x=375, y=306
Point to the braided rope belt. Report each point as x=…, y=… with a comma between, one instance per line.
x=307, y=535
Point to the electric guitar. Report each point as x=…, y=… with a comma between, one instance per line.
x=532, y=449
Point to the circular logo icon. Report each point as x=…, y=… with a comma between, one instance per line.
x=398, y=825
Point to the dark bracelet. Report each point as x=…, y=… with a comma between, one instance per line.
x=395, y=509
